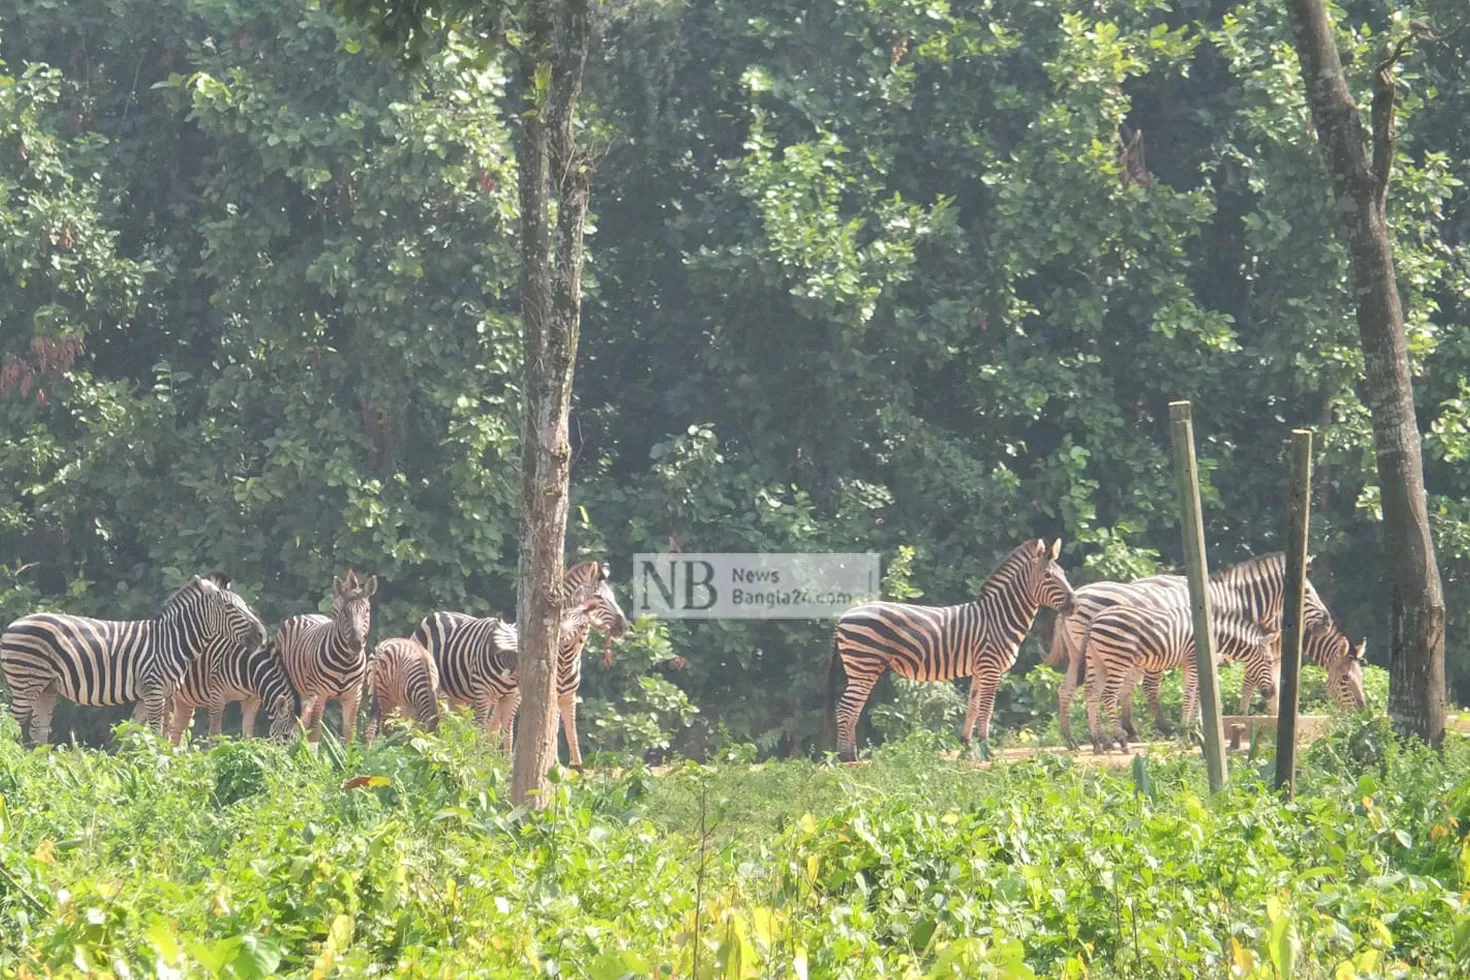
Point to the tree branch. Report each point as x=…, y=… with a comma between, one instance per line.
x=1383, y=121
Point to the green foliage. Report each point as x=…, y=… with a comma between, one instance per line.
x=861, y=277
x=253, y=860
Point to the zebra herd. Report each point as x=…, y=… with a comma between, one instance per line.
x=1111, y=634
x=206, y=648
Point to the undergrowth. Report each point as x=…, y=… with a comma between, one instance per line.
x=249, y=860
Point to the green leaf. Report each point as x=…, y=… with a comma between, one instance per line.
x=619, y=965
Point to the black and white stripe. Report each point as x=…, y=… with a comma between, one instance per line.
x=978, y=640
x=227, y=672
x=326, y=656
x=100, y=663
x=401, y=677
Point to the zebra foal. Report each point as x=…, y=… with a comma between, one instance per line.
x=326, y=656
x=228, y=672
x=977, y=639
x=401, y=677
x=109, y=663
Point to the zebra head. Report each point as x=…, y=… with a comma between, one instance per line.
x=1343, y=662
x=605, y=613
x=282, y=703
x=352, y=610
x=1049, y=585
x=208, y=605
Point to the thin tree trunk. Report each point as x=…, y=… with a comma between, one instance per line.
x=1360, y=170
x=551, y=65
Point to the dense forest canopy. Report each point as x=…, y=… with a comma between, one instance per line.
x=861, y=277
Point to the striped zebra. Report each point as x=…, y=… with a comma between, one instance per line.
x=476, y=656
x=109, y=663
x=1124, y=642
x=1251, y=592
x=326, y=656
x=600, y=612
x=977, y=639
x=401, y=677
x=228, y=672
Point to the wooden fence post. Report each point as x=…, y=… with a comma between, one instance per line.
x=1298, y=512
x=1191, y=523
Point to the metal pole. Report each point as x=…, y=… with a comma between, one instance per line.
x=1191, y=523
x=1298, y=513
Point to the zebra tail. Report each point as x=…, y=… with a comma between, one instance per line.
x=1058, y=642
x=1078, y=665
x=834, y=676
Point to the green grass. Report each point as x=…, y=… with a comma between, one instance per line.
x=246, y=859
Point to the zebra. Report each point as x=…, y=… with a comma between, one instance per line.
x=326, y=656
x=107, y=663
x=599, y=612
x=476, y=656
x=978, y=640
x=401, y=676
x=1126, y=641
x=228, y=672
x=1252, y=591
x=1068, y=631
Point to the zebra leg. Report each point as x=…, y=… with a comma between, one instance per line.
x=155, y=706
x=1096, y=678
x=1191, y=696
x=311, y=716
x=375, y=710
x=140, y=713
x=1151, y=683
x=568, y=706
x=849, y=710
x=1247, y=692
x=1127, y=710
x=982, y=703
x=179, y=722
x=350, y=700
x=43, y=705
x=1116, y=685
x=1070, y=681
x=248, y=710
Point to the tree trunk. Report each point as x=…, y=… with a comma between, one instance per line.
x=1360, y=172
x=551, y=66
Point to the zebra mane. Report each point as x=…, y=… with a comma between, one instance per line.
x=1010, y=566
x=194, y=587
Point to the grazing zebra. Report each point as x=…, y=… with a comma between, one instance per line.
x=1327, y=647
x=326, y=656
x=599, y=612
x=228, y=672
x=1124, y=642
x=107, y=663
x=1248, y=592
x=978, y=640
x=401, y=676
x=476, y=657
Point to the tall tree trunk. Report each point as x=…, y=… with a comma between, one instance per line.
x=1360, y=170
x=551, y=66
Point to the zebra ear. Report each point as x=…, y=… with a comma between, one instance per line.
x=1040, y=547
x=1310, y=559
x=370, y=586
x=1360, y=650
x=336, y=585
x=1056, y=549
x=218, y=578
x=603, y=571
